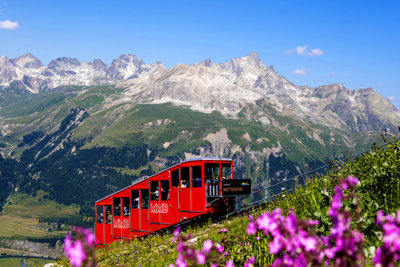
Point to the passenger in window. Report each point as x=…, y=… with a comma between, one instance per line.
x=197, y=182
x=164, y=193
x=135, y=204
x=184, y=183
x=101, y=217
x=126, y=211
x=108, y=217
x=117, y=211
x=155, y=194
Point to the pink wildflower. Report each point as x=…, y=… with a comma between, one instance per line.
x=207, y=246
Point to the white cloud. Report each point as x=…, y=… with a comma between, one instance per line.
x=8, y=25
x=301, y=72
x=392, y=98
x=304, y=51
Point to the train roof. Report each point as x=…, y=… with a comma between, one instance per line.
x=143, y=178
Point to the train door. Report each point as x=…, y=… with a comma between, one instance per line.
x=126, y=215
x=144, y=210
x=107, y=225
x=117, y=218
x=164, y=202
x=154, y=202
x=135, y=211
x=197, y=190
x=100, y=222
x=174, y=200
x=184, y=190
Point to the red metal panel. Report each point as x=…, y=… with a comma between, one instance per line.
x=174, y=213
x=185, y=199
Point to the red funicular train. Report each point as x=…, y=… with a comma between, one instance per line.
x=179, y=193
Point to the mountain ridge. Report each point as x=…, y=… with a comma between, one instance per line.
x=206, y=86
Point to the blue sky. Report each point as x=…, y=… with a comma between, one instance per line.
x=354, y=43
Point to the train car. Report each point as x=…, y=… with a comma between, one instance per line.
x=177, y=194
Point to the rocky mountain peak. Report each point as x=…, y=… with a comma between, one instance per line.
x=7, y=70
x=63, y=62
x=28, y=61
x=99, y=65
x=253, y=56
x=125, y=67
x=206, y=62
x=4, y=60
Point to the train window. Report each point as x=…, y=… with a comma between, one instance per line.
x=211, y=171
x=155, y=194
x=164, y=190
x=135, y=199
x=185, y=177
x=117, y=207
x=125, y=206
x=145, y=198
x=108, y=214
x=196, y=176
x=99, y=214
x=175, y=178
x=226, y=171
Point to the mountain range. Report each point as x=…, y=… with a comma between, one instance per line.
x=242, y=85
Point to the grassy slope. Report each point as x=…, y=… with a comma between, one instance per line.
x=19, y=220
x=379, y=173
x=28, y=262
x=129, y=123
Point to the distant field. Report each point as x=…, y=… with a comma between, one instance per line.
x=10, y=251
x=19, y=219
x=17, y=262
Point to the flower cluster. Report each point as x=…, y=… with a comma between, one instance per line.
x=295, y=243
x=348, y=244
x=81, y=250
x=186, y=252
x=293, y=240
x=389, y=253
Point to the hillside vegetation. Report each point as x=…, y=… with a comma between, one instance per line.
x=379, y=189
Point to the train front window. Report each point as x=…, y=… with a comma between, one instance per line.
x=155, y=194
x=226, y=170
x=211, y=172
x=99, y=214
x=175, y=178
x=117, y=207
x=196, y=176
x=108, y=213
x=135, y=199
x=185, y=177
x=164, y=190
x=125, y=206
x=145, y=198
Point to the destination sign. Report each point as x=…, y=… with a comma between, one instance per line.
x=236, y=187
